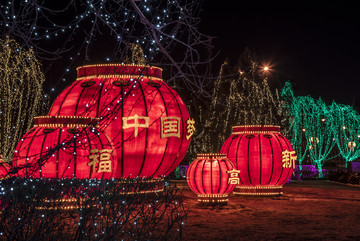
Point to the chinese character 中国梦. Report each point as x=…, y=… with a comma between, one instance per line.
x=136, y=124
x=170, y=126
x=190, y=128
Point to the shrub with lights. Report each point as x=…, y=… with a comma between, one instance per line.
x=87, y=209
x=212, y=177
x=264, y=157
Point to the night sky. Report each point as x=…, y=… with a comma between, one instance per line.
x=315, y=46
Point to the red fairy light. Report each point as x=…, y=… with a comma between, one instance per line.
x=263, y=155
x=212, y=177
x=147, y=121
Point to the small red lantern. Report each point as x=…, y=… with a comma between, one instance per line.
x=65, y=147
x=4, y=169
x=263, y=155
x=146, y=119
x=212, y=177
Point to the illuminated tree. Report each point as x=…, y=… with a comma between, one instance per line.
x=296, y=106
x=239, y=97
x=71, y=31
x=311, y=123
x=318, y=132
x=346, y=128
x=21, y=91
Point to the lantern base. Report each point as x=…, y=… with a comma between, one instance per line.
x=213, y=198
x=61, y=204
x=138, y=188
x=258, y=190
x=141, y=186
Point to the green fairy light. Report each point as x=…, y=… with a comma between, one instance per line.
x=317, y=128
x=346, y=128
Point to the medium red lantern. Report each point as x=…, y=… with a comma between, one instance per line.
x=146, y=119
x=263, y=155
x=212, y=177
x=4, y=169
x=65, y=147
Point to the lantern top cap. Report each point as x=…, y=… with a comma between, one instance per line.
x=210, y=155
x=119, y=70
x=69, y=121
x=255, y=129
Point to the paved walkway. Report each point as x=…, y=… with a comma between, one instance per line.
x=325, y=184
x=321, y=184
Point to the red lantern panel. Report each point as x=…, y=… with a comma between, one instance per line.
x=65, y=151
x=264, y=157
x=210, y=176
x=147, y=121
x=4, y=168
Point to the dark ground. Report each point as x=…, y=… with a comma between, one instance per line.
x=308, y=210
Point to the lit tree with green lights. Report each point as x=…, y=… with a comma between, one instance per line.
x=296, y=106
x=311, y=127
x=318, y=132
x=346, y=129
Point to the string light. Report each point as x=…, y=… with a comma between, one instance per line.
x=317, y=128
x=151, y=24
x=20, y=69
x=237, y=99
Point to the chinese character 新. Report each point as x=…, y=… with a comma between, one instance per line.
x=288, y=159
x=234, y=176
x=101, y=157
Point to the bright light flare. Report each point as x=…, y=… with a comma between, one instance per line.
x=266, y=69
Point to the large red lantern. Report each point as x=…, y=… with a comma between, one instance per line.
x=212, y=177
x=65, y=147
x=146, y=119
x=264, y=157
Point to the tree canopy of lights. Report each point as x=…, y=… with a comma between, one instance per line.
x=296, y=106
x=240, y=96
x=317, y=128
x=346, y=128
x=318, y=132
x=75, y=32
x=21, y=91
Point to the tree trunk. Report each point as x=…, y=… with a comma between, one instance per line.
x=319, y=167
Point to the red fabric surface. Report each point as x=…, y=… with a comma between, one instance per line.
x=112, y=98
x=4, y=168
x=258, y=156
x=70, y=156
x=208, y=175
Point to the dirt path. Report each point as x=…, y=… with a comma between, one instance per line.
x=308, y=210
